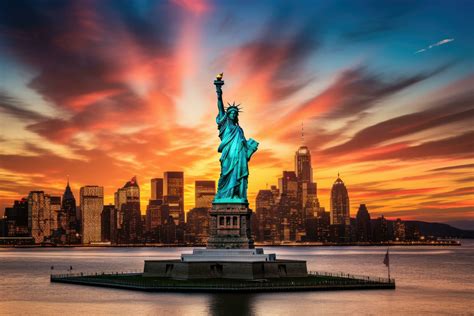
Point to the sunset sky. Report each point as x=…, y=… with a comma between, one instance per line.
x=106, y=90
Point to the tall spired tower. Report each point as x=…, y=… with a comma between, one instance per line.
x=70, y=211
x=339, y=204
x=303, y=168
x=307, y=189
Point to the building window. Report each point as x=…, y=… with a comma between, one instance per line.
x=221, y=221
x=227, y=220
x=234, y=221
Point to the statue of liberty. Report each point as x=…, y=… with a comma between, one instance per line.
x=235, y=152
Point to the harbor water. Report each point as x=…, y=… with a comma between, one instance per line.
x=430, y=280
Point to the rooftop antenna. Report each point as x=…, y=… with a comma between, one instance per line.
x=302, y=133
x=67, y=180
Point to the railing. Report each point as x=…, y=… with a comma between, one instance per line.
x=339, y=280
x=89, y=274
x=247, y=285
x=352, y=276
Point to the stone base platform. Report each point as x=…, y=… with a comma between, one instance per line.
x=179, y=270
x=243, y=264
x=315, y=281
x=228, y=255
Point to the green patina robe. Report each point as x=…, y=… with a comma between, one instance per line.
x=235, y=153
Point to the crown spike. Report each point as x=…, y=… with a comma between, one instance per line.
x=233, y=106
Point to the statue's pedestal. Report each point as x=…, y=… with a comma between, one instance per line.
x=220, y=268
x=229, y=226
x=230, y=252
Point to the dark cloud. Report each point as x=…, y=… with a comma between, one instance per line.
x=16, y=108
x=452, y=110
x=461, y=146
x=123, y=110
x=283, y=53
x=459, y=192
x=466, y=166
x=359, y=90
x=151, y=23
x=466, y=180
x=70, y=44
x=61, y=82
x=32, y=148
x=81, y=52
x=354, y=92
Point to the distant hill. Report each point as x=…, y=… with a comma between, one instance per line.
x=441, y=230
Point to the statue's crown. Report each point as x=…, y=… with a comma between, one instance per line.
x=233, y=107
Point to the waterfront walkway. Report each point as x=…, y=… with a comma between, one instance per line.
x=315, y=281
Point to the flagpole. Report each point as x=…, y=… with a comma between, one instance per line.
x=388, y=266
x=386, y=261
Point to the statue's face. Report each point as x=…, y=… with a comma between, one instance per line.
x=233, y=115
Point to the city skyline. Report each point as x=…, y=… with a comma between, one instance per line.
x=208, y=186
x=387, y=108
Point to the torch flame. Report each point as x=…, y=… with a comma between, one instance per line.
x=220, y=76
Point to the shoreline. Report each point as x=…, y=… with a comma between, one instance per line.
x=308, y=244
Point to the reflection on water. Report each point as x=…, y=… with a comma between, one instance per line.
x=429, y=280
x=231, y=304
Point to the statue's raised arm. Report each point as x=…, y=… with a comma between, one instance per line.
x=220, y=103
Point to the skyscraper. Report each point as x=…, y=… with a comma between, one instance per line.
x=72, y=225
x=288, y=184
x=399, y=230
x=197, y=225
x=156, y=214
x=322, y=225
x=39, y=216
x=156, y=211
x=304, y=171
x=156, y=189
x=307, y=189
x=173, y=195
x=266, y=223
x=16, y=218
x=55, y=216
x=339, y=204
x=289, y=209
x=92, y=204
x=204, y=193
x=55, y=204
x=127, y=202
x=380, y=229
x=108, y=223
x=310, y=201
x=363, y=227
